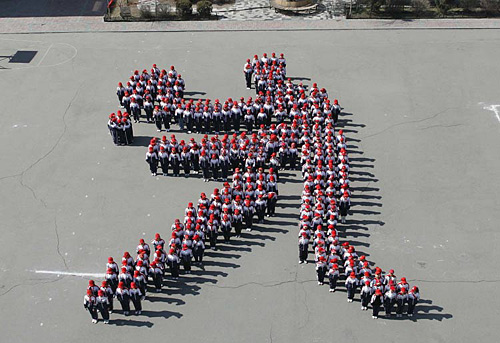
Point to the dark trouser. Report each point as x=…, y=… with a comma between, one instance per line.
x=110, y=299
x=189, y=125
x=114, y=135
x=198, y=254
x=187, y=168
x=136, y=115
x=333, y=281
x=376, y=310
x=350, y=292
x=271, y=207
x=248, y=79
x=187, y=264
x=206, y=173
x=166, y=122
x=227, y=125
x=164, y=166
x=196, y=163
x=153, y=167
x=137, y=303
x=125, y=305
x=174, y=269
x=236, y=125
x=293, y=162
x=157, y=278
x=303, y=252
x=149, y=115
x=217, y=125
x=237, y=228
x=411, y=305
x=176, y=169
x=365, y=299
x=207, y=126
x=320, y=272
x=93, y=312
x=249, y=221
x=249, y=125
x=261, y=212
x=104, y=312
x=401, y=305
x=389, y=304
x=120, y=97
x=225, y=171
x=198, y=126
x=226, y=231
x=213, y=239
x=215, y=173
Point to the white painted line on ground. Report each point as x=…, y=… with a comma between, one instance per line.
x=44, y=55
x=55, y=272
x=494, y=108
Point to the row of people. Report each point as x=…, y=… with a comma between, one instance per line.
x=224, y=211
x=217, y=159
x=325, y=198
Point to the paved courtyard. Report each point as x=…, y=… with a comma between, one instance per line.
x=425, y=182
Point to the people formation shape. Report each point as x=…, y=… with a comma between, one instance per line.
x=286, y=126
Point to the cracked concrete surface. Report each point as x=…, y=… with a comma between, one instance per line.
x=71, y=199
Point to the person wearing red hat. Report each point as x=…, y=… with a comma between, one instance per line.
x=198, y=248
x=350, y=284
x=186, y=161
x=156, y=273
x=112, y=278
x=175, y=162
x=205, y=166
x=377, y=300
x=413, y=298
x=152, y=160
x=333, y=275
x=90, y=304
x=102, y=304
x=336, y=109
x=249, y=120
x=366, y=295
x=344, y=205
x=237, y=220
x=390, y=298
x=321, y=268
x=260, y=207
x=402, y=299
x=248, y=212
x=272, y=199
x=214, y=163
x=173, y=262
x=148, y=108
x=186, y=256
x=109, y=292
x=248, y=71
x=123, y=296
x=135, y=109
x=136, y=297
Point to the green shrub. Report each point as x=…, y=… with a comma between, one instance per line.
x=184, y=8
x=468, y=5
x=490, y=6
x=204, y=8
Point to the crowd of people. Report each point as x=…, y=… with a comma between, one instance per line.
x=325, y=203
x=288, y=126
x=225, y=212
x=217, y=158
x=159, y=97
